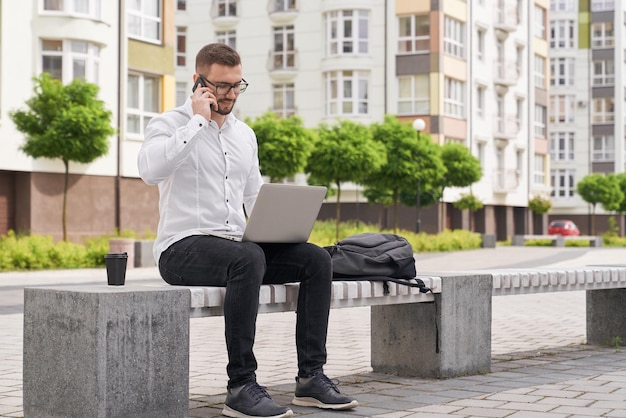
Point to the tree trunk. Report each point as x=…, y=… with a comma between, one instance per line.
x=338, y=211
x=65, y=187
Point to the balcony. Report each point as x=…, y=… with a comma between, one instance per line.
x=283, y=65
x=506, y=73
x=281, y=13
x=506, y=127
x=505, y=180
x=507, y=19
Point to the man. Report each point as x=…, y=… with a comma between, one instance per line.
x=205, y=162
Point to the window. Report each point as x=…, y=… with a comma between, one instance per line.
x=603, y=110
x=480, y=101
x=284, y=54
x=603, y=73
x=540, y=22
x=347, y=92
x=454, y=37
x=519, y=111
x=480, y=44
x=603, y=148
x=181, y=46
x=283, y=5
x=540, y=121
x=602, y=35
x=540, y=72
x=414, y=95
x=144, y=20
x=562, y=71
x=226, y=8
x=347, y=31
x=562, y=146
x=562, y=5
x=562, y=34
x=600, y=5
x=454, y=98
x=520, y=60
x=181, y=4
x=414, y=34
x=66, y=60
x=226, y=37
x=181, y=93
x=90, y=8
x=562, y=182
x=539, y=173
x=144, y=95
x=562, y=108
x=284, y=99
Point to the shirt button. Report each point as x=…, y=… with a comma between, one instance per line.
x=200, y=125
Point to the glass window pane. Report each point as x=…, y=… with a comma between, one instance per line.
x=78, y=68
x=151, y=7
x=48, y=45
x=53, y=5
x=132, y=124
x=54, y=66
x=81, y=6
x=79, y=46
x=133, y=92
x=150, y=95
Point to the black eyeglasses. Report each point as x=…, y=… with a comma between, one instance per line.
x=224, y=88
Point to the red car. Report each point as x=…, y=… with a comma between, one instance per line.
x=563, y=227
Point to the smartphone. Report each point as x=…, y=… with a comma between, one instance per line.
x=199, y=82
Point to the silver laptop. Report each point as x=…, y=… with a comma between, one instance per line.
x=283, y=213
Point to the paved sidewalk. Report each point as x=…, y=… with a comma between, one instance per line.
x=541, y=367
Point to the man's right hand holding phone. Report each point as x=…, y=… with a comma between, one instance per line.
x=203, y=101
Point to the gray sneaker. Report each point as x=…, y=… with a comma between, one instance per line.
x=321, y=392
x=253, y=401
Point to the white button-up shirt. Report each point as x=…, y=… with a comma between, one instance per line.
x=206, y=174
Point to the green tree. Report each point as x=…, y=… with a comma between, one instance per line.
x=400, y=171
x=621, y=181
x=539, y=205
x=64, y=122
x=284, y=145
x=470, y=202
x=462, y=168
x=600, y=189
x=345, y=152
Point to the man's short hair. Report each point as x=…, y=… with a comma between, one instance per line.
x=217, y=53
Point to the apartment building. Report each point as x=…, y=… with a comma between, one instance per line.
x=586, y=101
x=475, y=72
x=125, y=47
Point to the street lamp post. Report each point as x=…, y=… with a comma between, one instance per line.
x=418, y=125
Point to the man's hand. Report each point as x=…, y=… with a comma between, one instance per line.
x=203, y=102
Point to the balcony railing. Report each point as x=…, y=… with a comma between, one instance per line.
x=506, y=180
x=506, y=127
x=507, y=17
x=506, y=72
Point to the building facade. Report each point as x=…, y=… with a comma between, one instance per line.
x=476, y=72
x=586, y=99
x=127, y=48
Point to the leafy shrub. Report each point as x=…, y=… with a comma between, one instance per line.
x=36, y=252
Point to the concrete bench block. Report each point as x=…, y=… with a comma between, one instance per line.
x=404, y=337
x=103, y=351
x=606, y=316
x=143, y=253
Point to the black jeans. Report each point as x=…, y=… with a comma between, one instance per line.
x=204, y=260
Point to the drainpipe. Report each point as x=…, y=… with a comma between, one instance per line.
x=118, y=179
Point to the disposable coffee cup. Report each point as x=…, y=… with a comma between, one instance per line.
x=116, y=268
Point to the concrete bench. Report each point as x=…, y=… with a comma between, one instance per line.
x=107, y=351
x=117, y=352
x=557, y=240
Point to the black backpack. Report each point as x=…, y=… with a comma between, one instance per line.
x=375, y=257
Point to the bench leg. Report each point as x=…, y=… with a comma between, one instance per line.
x=606, y=316
x=404, y=336
x=106, y=352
